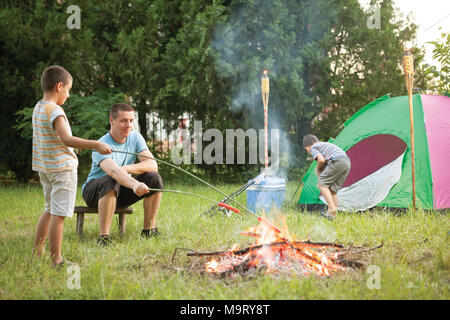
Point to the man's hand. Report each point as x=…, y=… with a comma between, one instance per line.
x=140, y=189
x=103, y=148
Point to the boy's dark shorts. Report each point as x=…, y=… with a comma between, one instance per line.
x=97, y=188
x=335, y=173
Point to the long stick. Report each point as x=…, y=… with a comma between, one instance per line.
x=185, y=193
x=246, y=250
x=261, y=219
x=231, y=196
x=265, y=87
x=413, y=163
x=187, y=172
x=408, y=64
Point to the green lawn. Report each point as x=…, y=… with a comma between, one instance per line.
x=413, y=263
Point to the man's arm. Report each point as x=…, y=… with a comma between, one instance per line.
x=144, y=165
x=121, y=176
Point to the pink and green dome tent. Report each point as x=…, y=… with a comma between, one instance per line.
x=377, y=140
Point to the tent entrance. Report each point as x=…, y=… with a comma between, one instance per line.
x=376, y=167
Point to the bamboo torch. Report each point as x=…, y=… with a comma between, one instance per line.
x=265, y=87
x=408, y=66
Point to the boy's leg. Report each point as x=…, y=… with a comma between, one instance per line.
x=44, y=219
x=41, y=233
x=55, y=238
x=64, y=189
x=332, y=208
x=335, y=198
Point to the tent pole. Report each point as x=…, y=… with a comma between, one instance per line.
x=408, y=64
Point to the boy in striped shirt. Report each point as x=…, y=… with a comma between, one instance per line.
x=333, y=166
x=55, y=161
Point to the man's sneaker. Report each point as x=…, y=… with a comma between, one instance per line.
x=150, y=233
x=104, y=240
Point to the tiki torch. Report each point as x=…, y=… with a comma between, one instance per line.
x=265, y=97
x=408, y=66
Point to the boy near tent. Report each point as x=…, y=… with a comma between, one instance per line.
x=333, y=166
x=54, y=159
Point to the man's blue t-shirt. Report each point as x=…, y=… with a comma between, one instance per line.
x=135, y=143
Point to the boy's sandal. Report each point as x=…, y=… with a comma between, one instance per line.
x=60, y=265
x=327, y=215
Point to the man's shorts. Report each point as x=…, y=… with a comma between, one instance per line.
x=335, y=173
x=60, y=190
x=95, y=189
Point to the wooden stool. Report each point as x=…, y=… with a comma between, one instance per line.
x=81, y=210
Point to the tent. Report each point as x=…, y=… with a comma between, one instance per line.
x=377, y=140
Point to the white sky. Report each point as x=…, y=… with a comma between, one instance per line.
x=432, y=18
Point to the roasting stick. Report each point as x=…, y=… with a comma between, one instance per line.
x=261, y=219
x=187, y=172
x=220, y=204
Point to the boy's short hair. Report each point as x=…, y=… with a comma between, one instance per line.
x=52, y=76
x=114, y=111
x=309, y=140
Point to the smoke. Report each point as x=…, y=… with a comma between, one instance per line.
x=323, y=231
x=241, y=56
x=285, y=38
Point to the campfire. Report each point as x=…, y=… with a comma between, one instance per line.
x=275, y=251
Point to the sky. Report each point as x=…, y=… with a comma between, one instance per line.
x=432, y=18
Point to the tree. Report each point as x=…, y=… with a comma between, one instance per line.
x=21, y=61
x=286, y=38
x=365, y=63
x=204, y=58
x=441, y=52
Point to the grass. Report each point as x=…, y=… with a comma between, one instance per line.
x=413, y=263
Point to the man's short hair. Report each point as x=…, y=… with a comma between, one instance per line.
x=309, y=140
x=114, y=111
x=52, y=76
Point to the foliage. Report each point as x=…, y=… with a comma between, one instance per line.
x=286, y=39
x=89, y=116
x=365, y=64
x=203, y=58
x=441, y=52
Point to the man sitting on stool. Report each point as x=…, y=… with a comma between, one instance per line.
x=110, y=184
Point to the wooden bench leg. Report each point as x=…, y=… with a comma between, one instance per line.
x=80, y=220
x=122, y=223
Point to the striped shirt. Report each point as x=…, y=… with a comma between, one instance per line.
x=49, y=152
x=328, y=150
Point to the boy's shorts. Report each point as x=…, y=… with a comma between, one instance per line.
x=60, y=190
x=335, y=173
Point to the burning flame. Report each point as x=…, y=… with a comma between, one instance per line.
x=276, y=251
